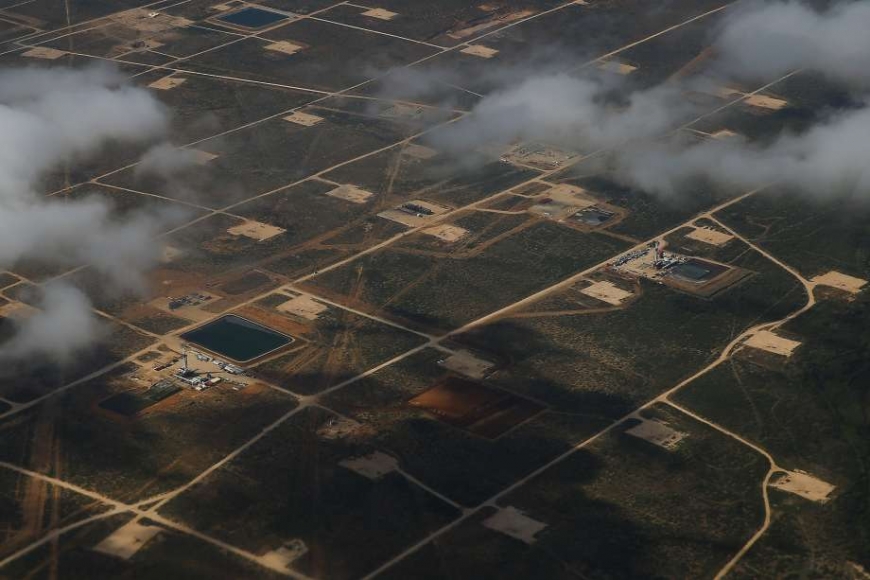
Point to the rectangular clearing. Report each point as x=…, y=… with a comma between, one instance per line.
x=350, y=193
x=373, y=466
x=127, y=540
x=466, y=363
x=303, y=306
x=255, y=230
x=167, y=83
x=414, y=213
x=804, y=485
x=607, y=292
x=380, y=14
x=304, y=119
x=768, y=341
x=841, y=282
x=446, y=233
x=284, y=46
x=710, y=236
x=514, y=523
x=479, y=50
x=479, y=409
x=616, y=66
x=765, y=102
x=44, y=52
x=657, y=433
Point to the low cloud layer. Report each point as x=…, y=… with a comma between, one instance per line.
x=55, y=116
x=63, y=326
x=756, y=43
x=768, y=40
x=829, y=160
x=564, y=109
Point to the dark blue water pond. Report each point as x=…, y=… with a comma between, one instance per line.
x=237, y=338
x=253, y=17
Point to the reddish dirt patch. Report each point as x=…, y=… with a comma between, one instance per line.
x=477, y=408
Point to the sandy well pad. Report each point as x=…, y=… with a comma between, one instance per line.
x=464, y=362
x=303, y=306
x=127, y=540
x=373, y=466
x=419, y=151
x=768, y=341
x=804, y=485
x=723, y=134
x=446, y=233
x=571, y=193
x=44, y=52
x=657, y=433
x=607, y=292
x=710, y=236
x=841, y=282
x=350, y=193
x=380, y=14
x=255, y=230
x=286, y=554
x=17, y=310
x=406, y=215
x=169, y=254
x=201, y=157
x=306, y=119
x=479, y=50
x=615, y=66
x=337, y=428
x=167, y=83
x=765, y=102
x=284, y=46
x=514, y=523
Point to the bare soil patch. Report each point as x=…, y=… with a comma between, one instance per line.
x=768, y=341
x=167, y=83
x=514, y=523
x=466, y=363
x=538, y=156
x=351, y=193
x=148, y=21
x=710, y=236
x=805, y=485
x=765, y=102
x=479, y=50
x=617, y=66
x=414, y=213
x=841, y=282
x=419, y=151
x=255, y=230
x=562, y=201
x=446, y=233
x=607, y=292
x=44, y=52
x=495, y=20
x=201, y=157
x=373, y=466
x=475, y=407
x=286, y=554
x=657, y=433
x=127, y=540
x=285, y=47
x=303, y=306
x=306, y=119
x=380, y=14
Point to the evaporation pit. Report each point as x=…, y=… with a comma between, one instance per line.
x=237, y=338
x=253, y=18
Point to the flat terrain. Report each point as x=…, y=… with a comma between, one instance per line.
x=469, y=388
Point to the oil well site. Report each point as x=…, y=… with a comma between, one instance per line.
x=460, y=290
